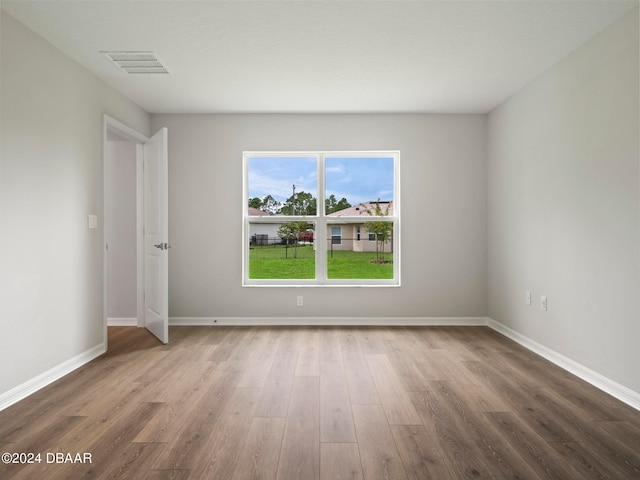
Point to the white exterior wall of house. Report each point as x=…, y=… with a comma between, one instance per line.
x=268, y=229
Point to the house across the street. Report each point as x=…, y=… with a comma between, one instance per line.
x=263, y=233
x=355, y=236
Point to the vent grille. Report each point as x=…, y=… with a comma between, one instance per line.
x=135, y=63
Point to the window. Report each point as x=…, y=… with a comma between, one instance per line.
x=336, y=235
x=304, y=215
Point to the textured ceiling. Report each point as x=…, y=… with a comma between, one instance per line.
x=322, y=56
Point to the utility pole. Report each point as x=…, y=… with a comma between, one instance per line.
x=293, y=201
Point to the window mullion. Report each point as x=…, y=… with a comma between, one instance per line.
x=320, y=239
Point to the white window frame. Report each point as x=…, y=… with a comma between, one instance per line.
x=321, y=221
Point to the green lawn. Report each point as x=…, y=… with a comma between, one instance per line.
x=279, y=262
x=359, y=265
x=276, y=261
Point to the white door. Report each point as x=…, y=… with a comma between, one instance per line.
x=156, y=236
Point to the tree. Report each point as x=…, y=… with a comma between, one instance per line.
x=332, y=205
x=255, y=202
x=270, y=205
x=290, y=232
x=302, y=203
x=382, y=230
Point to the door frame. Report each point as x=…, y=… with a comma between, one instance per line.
x=118, y=128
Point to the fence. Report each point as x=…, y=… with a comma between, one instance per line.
x=359, y=244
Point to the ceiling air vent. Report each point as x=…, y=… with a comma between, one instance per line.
x=134, y=63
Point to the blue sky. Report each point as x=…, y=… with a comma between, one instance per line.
x=356, y=179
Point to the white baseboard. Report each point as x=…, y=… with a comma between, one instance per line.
x=605, y=384
x=31, y=386
x=122, y=322
x=329, y=321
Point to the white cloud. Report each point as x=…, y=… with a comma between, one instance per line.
x=340, y=168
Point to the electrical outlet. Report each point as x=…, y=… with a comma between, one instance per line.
x=300, y=301
x=527, y=297
x=543, y=303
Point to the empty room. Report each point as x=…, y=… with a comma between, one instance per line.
x=320, y=239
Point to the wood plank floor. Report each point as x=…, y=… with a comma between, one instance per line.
x=303, y=403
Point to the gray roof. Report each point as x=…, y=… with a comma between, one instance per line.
x=254, y=212
x=363, y=208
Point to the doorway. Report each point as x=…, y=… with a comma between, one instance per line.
x=121, y=237
x=135, y=229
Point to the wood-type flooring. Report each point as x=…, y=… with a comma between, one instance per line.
x=305, y=403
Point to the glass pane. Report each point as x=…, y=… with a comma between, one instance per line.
x=336, y=235
x=367, y=255
x=282, y=250
x=282, y=185
x=356, y=181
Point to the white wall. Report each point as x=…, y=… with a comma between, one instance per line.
x=564, y=206
x=443, y=207
x=51, y=307
x=120, y=185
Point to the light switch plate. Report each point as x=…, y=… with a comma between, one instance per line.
x=93, y=221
